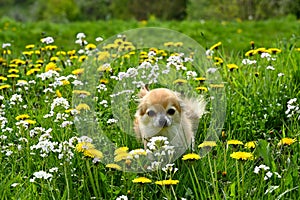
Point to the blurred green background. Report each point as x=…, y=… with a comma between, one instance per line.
x=83, y=10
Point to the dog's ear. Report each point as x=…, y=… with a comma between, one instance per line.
x=144, y=90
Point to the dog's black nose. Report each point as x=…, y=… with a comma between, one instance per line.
x=162, y=122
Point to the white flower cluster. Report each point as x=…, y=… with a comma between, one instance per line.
x=47, y=75
x=159, y=151
x=267, y=56
x=42, y=175
x=293, y=109
x=268, y=174
x=248, y=62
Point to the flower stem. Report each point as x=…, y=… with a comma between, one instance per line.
x=193, y=182
x=91, y=177
x=238, y=177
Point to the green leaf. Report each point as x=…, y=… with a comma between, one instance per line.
x=263, y=150
x=232, y=189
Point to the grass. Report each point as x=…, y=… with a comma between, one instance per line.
x=47, y=158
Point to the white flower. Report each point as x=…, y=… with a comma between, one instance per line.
x=48, y=74
x=270, y=68
x=248, y=61
x=4, y=45
x=280, y=74
x=47, y=40
x=209, y=52
x=14, y=184
x=99, y=39
x=212, y=70
x=54, y=169
x=271, y=189
x=256, y=170
x=123, y=197
x=111, y=121
x=277, y=174
x=42, y=175
x=80, y=35
x=265, y=55
x=291, y=101
x=268, y=175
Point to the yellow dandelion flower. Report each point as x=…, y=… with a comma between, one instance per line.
x=235, y=142
x=78, y=71
x=122, y=156
x=31, y=71
x=82, y=146
x=251, y=144
x=141, y=180
x=82, y=58
x=250, y=53
x=51, y=66
x=39, y=61
x=261, y=50
x=13, y=76
x=104, y=81
x=22, y=117
x=81, y=92
x=93, y=153
x=118, y=41
x=61, y=53
x=202, y=88
x=297, y=49
x=82, y=106
x=168, y=44
x=178, y=44
x=73, y=57
x=4, y=86
x=110, y=47
x=242, y=155
x=22, y=81
x=27, y=53
x=167, y=182
x=50, y=47
x=274, y=50
x=286, y=141
x=179, y=81
x=207, y=144
x=65, y=82
x=216, y=86
x=113, y=166
x=30, y=46
x=218, y=61
x=13, y=65
x=58, y=94
x=191, y=156
x=215, y=46
x=90, y=46
x=54, y=59
x=71, y=52
x=13, y=71
x=2, y=78
x=201, y=79
x=30, y=121
x=231, y=67
x=121, y=150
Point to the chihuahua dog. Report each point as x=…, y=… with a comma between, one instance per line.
x=163, y=112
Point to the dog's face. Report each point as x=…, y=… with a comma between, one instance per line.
x=159, y=109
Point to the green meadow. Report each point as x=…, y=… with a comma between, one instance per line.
x=44, y=154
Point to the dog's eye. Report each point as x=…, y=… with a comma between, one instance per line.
x=151, y=113
x=171, y=111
